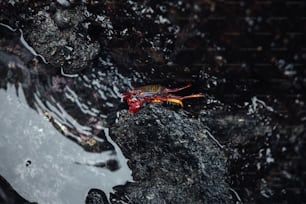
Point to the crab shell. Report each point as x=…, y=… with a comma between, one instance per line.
x=135, y=104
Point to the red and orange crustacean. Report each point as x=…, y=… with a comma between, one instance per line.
x=141, y=96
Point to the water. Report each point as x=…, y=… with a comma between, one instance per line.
x=60, y=158
x=247, y=57
x=45, y=167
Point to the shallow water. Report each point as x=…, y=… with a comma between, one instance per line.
x=248, y=58
x=39, y=161
x=45, y=167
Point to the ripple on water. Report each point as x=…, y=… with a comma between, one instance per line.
x=45, y=167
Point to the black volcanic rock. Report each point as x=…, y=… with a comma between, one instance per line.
x=172, y=158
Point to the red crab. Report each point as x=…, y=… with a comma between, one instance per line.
x=141, y=96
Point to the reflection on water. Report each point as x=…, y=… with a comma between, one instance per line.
x=42, y=165
x=248, y=58
x=40, y=110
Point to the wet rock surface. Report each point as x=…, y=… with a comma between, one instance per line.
x=247, y=57
x=172, y=158
x=55, y=32
x=67, y=47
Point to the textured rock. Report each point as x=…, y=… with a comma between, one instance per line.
x=55, y=32
x=66, y=48
x=172, y=158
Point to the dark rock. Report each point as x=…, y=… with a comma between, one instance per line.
x=66, y=47
x=96, y=196
x=10, y=43
x=172, y=158
x=54, y=32
x=207, y=43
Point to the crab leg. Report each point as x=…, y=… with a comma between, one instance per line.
x=179, y=100
x=192, y=96
x=166, y=90
x=168, y=100
x=176, y=100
